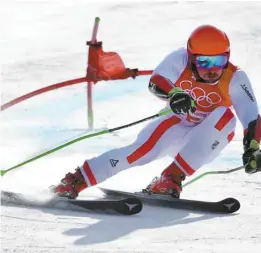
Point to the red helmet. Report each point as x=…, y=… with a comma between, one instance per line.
x=208, y=40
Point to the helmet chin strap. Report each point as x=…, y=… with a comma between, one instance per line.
x=198, y=78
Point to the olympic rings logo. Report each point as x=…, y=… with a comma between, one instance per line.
x=203, y=99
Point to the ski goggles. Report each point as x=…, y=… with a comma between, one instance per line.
x=211, y=61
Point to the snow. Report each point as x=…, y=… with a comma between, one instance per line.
x=42, y=43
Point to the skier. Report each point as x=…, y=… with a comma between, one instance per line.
x=201, y=86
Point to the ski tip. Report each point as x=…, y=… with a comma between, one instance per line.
x=230, y=205
x=129, y=206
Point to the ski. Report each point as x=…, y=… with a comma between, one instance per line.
x=126, y=206
x=228, y=205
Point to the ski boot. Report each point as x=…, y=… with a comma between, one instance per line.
x=70, y=185
x=169, y=183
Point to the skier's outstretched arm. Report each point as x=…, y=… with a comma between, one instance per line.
x=245, y=105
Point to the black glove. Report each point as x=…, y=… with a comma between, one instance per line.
x=252, y=154
x=252, y=160
x=180, y=102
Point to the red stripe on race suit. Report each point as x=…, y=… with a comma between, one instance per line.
x=230, y=136
x=226, y=117
x=193, y=118
x=162, y=83
x=89, y=173
x=153, y=139
x=185, y=166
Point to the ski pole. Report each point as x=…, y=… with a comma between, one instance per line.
x=3, y=172
x=213, y=173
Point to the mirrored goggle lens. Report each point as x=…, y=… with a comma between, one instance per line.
x=208, y=62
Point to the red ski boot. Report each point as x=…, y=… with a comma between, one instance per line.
x=169, y=183
x=71, y=185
